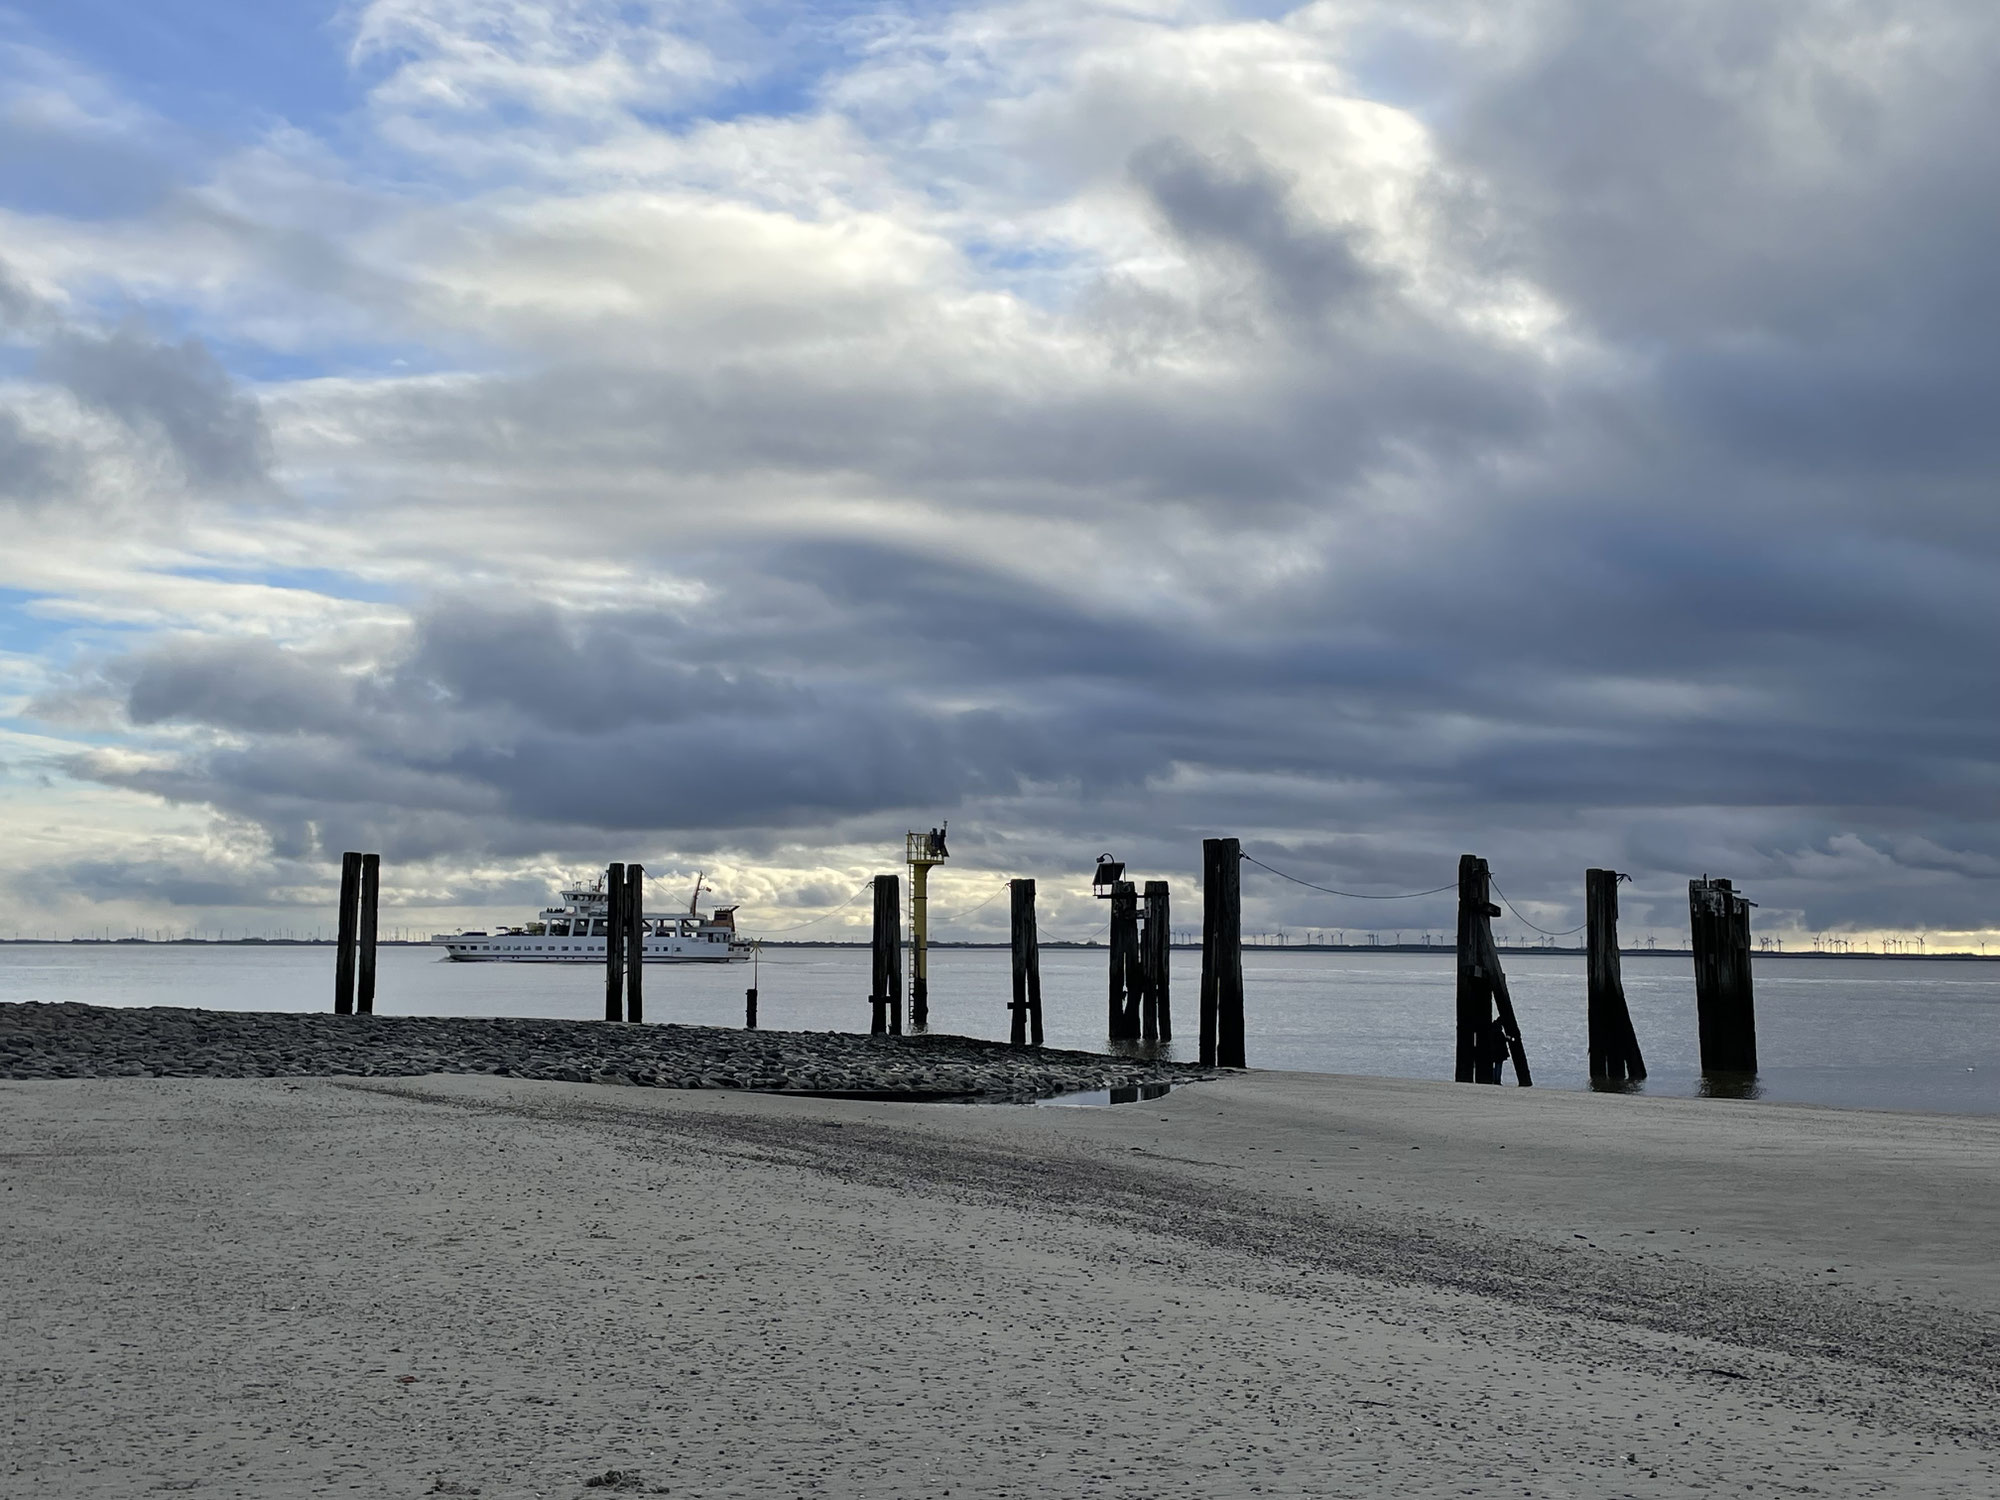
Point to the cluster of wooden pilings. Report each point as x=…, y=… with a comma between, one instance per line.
x=1489, y=1035
x=1141, y=1002
x=354, y=953
x=625, y=943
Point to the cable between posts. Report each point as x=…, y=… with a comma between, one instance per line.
x=823, y=915
x=1352, y=895
x=1570, y=932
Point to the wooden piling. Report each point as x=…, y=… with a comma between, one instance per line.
x=1488, y=1031
x=1025, y=1023
x=1122, y=1020
x=886, y=995
x=614, y=943
x=343, y=956
x=364, y=966
x=750, y=1008
x=635, y=943
x=1614, y=1045
x=1725, y=1007
x=1156, y=1020
x=1222, y=953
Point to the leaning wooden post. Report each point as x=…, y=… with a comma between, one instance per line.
x=635, y=943
x=1123, y=1021
x=343, y=956
x=1483, y=1043
x=1725, y=1008
x=364, y=968
x=1504, y=1039
x=886, y=996
x=1160, y=933
x=1614, y=1045
x=1026, y=1005
x=614, y=943
x=1222, y=953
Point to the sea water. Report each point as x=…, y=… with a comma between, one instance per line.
x=1873, y=1034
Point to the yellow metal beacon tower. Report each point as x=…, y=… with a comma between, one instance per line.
x=922, y=850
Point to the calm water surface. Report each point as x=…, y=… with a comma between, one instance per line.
x=1877, y=1035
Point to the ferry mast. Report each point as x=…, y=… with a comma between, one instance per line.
x=922, y=850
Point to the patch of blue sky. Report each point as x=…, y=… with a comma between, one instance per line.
x=260, y=364
x=224, y=66
x=27, y=630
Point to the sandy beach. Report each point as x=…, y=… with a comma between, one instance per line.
x=1272, y=1284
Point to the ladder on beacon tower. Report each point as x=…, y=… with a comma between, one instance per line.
x=922, y=850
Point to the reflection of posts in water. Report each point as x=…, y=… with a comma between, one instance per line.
x=1614, y=1046
x=886, y=994
x=635, y=943
x=1025, y=1024
x=1725, y=1008
x=614, y=943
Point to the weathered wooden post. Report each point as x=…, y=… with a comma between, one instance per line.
x=614, y=943
x=635, y=943
x=1026, y=1006
x=343, y=955
x=887, y=995
x=1614, y=1046
x=1222, y=953
x=364, y=969
x=1156, y=1021
x=1484, y=1043
x=1122, y=1023
x=750, y=1008
x=1725, y=1008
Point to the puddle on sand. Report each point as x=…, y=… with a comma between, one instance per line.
x=1091, y=1098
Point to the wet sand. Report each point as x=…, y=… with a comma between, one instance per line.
x=1274, y=1284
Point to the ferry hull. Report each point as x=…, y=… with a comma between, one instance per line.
x=501, y=951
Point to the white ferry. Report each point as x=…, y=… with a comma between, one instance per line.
x=573, y=933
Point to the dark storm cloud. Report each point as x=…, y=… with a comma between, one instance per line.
x=1242, y=207
x=178, y=391
x=31, y=468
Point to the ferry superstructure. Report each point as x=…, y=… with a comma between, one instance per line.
x=573, y=933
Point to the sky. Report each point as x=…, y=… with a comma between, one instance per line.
x=512, y=437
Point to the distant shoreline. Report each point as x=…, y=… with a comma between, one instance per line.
x=1249, y=948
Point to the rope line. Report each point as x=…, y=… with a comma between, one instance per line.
x=1355, y=895
x=823, y=915
x=1572, y=932
x=960, y=916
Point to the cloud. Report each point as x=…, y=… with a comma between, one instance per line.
x=1556, y=430
x=177, y=391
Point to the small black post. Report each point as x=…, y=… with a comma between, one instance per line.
x=1614, y=1046
x=635, y=943
x=1158, y=1020
x=364, y=969
x=887, y=994
x=1222, y=953
x=343, y=956
x=1724, y=1004
x=1123, y=1021
x=614, y=943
